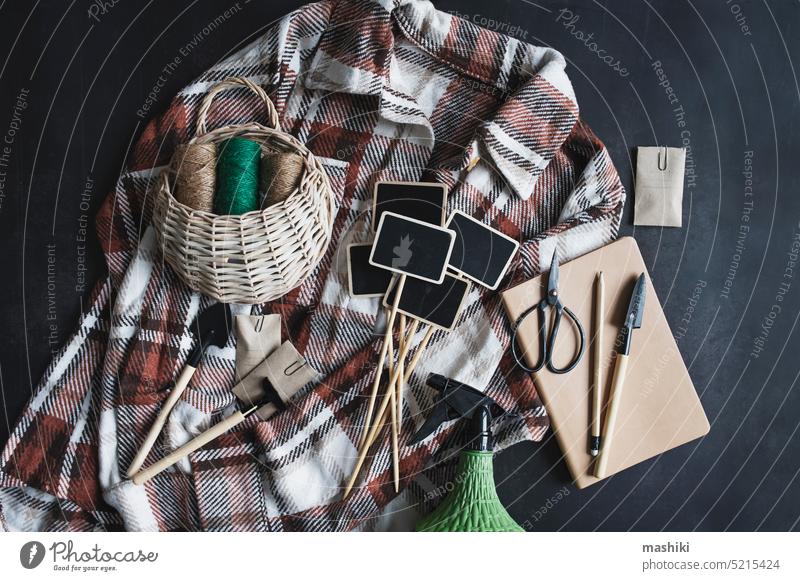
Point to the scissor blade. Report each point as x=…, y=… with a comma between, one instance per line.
x=636, y=307
x=552, y=278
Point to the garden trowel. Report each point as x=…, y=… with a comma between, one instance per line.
x=211, y=327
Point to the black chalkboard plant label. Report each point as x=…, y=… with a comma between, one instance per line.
x=480, y=252
x=424, y=201
x=365, y=280
x=412, y=247
x=438, y=305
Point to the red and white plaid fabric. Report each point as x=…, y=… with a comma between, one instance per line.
x=382, y=90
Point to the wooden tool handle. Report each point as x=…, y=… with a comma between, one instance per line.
x=189, y=447
x=617, y=383
x=158, y=425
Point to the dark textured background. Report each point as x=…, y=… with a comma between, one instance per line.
x=738, y=88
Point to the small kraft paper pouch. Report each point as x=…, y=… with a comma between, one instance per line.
x=286, y=372
x=659, y=186
x=257, y=336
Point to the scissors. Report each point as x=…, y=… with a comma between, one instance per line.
x=547, y=342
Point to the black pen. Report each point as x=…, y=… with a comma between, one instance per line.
x=597, y=408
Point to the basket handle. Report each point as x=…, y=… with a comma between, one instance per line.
x=234, y=83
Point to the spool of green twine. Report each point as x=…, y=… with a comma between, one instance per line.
x=237, y=176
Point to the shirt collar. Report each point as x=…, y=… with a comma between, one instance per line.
x=354, y=55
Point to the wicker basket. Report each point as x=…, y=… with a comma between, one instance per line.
x=258, y=256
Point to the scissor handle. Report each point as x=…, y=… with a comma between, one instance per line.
x=540, y=307
x=551, y=341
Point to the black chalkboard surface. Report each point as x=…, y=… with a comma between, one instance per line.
x=480, y=252
x=436, y=304
x=364, y=279
x=412, y=247
x=423, y=201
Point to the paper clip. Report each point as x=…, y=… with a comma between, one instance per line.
x=294, y=367
x=662, y=152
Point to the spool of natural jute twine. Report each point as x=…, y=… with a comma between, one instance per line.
x=194, y=165
x=279, y=177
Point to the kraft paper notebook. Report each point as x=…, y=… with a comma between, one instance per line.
x=660, y=409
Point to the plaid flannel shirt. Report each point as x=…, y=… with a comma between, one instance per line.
x=379, y=90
